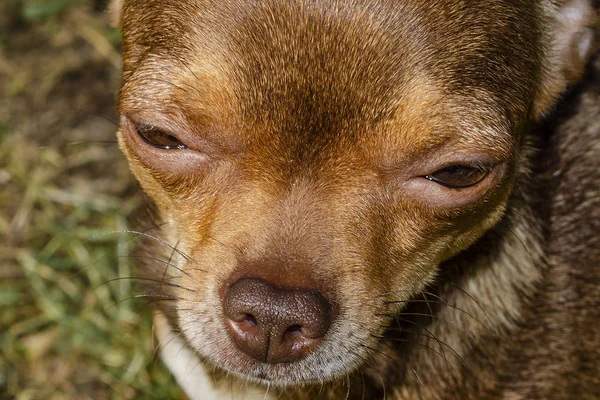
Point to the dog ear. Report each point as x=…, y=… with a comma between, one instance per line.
x=570, y=43
x=114, y=11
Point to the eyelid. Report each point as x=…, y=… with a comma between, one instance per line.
x=142, y=129
x=481, y=173
x=479, y=163
x=155, y=158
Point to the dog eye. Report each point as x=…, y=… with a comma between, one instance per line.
x=458, y=176
x=159, y=139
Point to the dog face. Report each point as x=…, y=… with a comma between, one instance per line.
x=315, y=162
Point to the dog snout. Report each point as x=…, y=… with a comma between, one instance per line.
x=273, y=324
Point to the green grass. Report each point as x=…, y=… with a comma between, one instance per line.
x=68, y=330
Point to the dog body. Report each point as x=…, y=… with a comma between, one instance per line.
x=367, y=199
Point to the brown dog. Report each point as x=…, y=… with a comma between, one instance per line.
x=361, y=199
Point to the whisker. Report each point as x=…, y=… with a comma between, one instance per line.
x=93, y=114
x=156, y=298
x=156, y=239
x=472, y=298
x=347, y=383
x=418, y=377
x=441, y=301
x=441, y=347
x=441, y=355
x=267, y=391
x=376, y=370
x=460, y=309
x=362, y=377
x=83, y=270
x=432, y=336
x=444, y=302
x=141, y=278
x=416, y=314
x=79, y=143
x=162, y=344
x=158, y=260
x=154, y=226
x=228, y=248
x=167, y=267
x=379, y=351
x=519, y=240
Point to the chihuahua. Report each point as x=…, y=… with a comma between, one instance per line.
x=364, y=199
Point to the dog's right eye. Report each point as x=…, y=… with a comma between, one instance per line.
x=159, y=139
x=458, y=176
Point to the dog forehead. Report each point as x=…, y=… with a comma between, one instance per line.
x=308, y=70
x=336, y=60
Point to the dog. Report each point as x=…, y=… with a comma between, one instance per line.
x=363, y=199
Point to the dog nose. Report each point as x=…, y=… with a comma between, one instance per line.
x=275, y=325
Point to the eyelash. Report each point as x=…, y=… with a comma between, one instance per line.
x=472, y=175
x=153, y=137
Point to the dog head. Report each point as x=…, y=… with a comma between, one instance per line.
x=313, y=160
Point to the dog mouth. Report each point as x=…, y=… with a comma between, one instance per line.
x=327, y=361
x=281, y=336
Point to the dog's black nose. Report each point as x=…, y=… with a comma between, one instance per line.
x=275, y=325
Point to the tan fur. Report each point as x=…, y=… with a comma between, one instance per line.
x=310, y=125
x=114, y=12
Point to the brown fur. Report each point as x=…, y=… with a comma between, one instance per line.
x=313, y=119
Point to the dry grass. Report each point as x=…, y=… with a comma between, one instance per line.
x=66, y=330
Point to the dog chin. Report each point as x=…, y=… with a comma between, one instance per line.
x=339, y=354
x=284, y=376
x=320, y=366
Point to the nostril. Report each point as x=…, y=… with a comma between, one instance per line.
x=248, y=324
x=294, y=331
x=250, y=320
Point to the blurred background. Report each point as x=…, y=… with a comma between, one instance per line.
x=68, y=329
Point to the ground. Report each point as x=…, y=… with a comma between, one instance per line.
x=68, y=329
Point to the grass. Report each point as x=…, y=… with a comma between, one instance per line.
x=68, y=329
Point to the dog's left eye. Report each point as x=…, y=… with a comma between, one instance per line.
x=458, y=176
x=159, y=139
